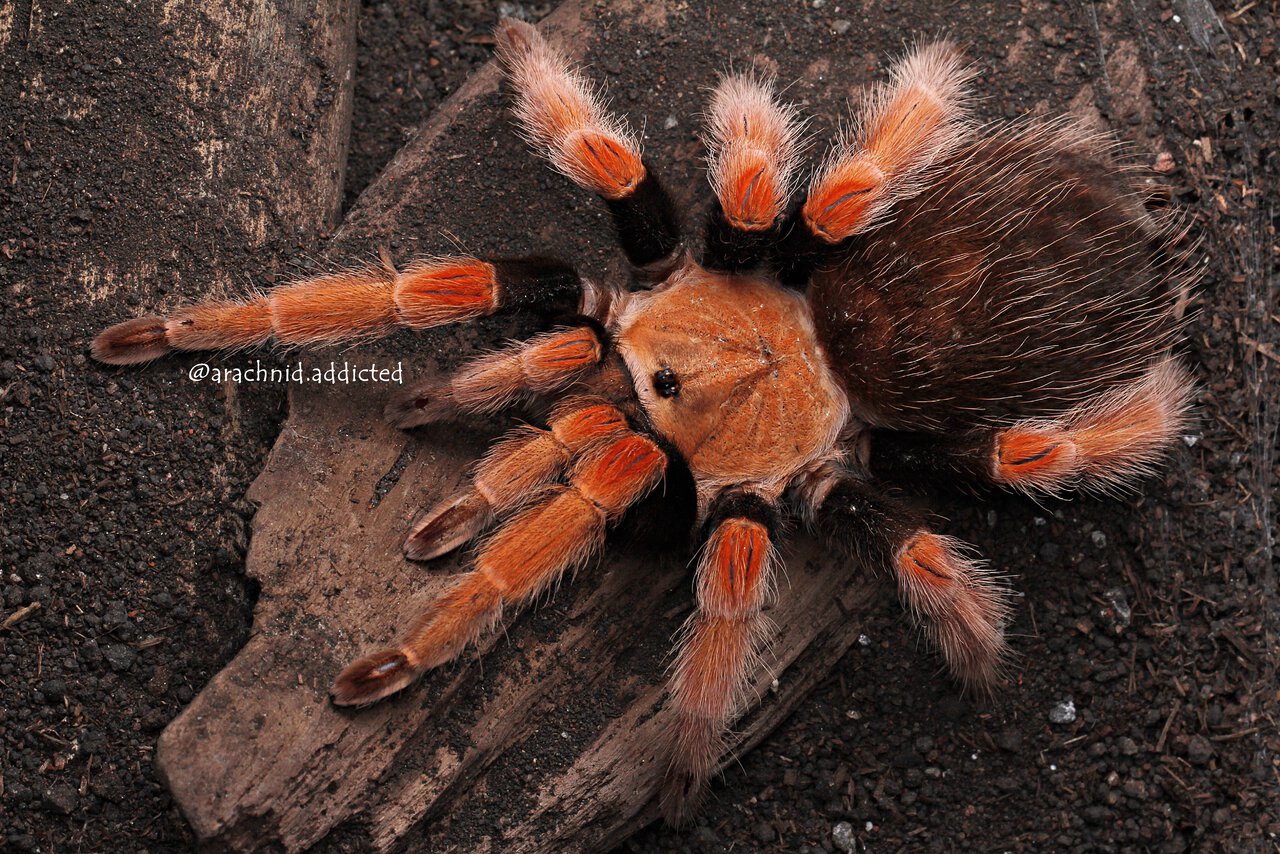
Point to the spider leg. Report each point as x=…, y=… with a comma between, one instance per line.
x=905, y=128
x=753, y=146
x=963, y=607
x=902, y=133
x=564, y=118
x=1103, y=445
x=522, y=559
x=519, y=466
x=544, y=363
x=721, y=642
x=353, y=304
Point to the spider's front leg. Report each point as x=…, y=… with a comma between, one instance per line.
x=556, y=533
x=353, y=304
x=519, y=466
x=721, y=642
x=962, y=605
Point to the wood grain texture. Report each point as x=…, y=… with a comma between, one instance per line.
x=544, y=738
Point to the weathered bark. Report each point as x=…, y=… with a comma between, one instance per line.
x=545, y=739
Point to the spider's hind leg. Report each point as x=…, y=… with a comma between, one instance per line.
x=962, y=606
x=1104, y=444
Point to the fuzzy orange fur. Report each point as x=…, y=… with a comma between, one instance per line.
x=906, y=128
x=564, y=118
x=719, y=650
x=753, y=145
x=964, y=609
x=429, y=293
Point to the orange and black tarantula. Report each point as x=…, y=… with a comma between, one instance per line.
x=990, y=304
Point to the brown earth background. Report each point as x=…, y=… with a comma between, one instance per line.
x=135, y=174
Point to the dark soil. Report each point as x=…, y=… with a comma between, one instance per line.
x=1156, y=615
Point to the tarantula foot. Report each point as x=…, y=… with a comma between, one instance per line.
x=449, y=524
x=682, y=795
x=369, y=679
x=427, y=402
x=131, y=342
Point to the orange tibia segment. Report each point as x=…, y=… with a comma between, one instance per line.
x=564, y=118
x=925, y=559
x=538, y=545
x=618, y=474
x=751, y=192
x=519, y=466
x=551, y=360
x=220, y=325
x=902, y=135
x=430, y=293
x=713, y=666
x=131, y=342
x=752, y=141
x=344, y=305
x=1035, y=458
x=733, y=578
x=601, y=161
x=465, y=610
x=577, y=426
x=844, y=200
x=907, y=127
x=963, y=607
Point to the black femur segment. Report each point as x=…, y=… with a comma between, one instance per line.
x=798, y=251
x=741, y=504
x=542, y=286
x=905, y=457
x=666, y=383
x=646, y=221
x=732, y=249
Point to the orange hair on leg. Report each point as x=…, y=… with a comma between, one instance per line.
x=357, y=303
x=906, y=128
x=523, y=558
x=564, y=118
x=544, y=363
x=1104, y=444
x=753, y=147
x=719, y=651
x=962, y=606
x=514, y=469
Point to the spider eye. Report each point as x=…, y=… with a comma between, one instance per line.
x=665, y=382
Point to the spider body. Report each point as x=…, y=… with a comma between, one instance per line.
x=756, y=399
x=991, y=305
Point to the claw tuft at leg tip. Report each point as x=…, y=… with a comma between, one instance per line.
x=369, y=679
x=131, y=342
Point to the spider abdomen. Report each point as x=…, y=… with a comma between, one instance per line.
x=1027, y=279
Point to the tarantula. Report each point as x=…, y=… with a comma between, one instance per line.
x=947, y=301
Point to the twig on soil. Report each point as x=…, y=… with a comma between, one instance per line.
x=1164, y=733
x=19, y=615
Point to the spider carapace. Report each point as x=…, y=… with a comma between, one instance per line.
x=993, y=304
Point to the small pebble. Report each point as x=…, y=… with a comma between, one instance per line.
x=842, y=836
x=1063, y=713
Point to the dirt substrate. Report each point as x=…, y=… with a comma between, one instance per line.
x=1141, y=712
